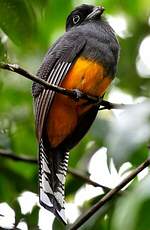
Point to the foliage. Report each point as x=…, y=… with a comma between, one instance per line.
x=27, y=30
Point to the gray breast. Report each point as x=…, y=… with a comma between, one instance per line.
x=102, y=45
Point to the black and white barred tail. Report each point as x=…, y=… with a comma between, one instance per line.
x=52, y=174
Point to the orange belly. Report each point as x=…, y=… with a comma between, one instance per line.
x=88, y=77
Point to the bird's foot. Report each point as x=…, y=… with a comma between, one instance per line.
x=99, y=102
x=77, y=94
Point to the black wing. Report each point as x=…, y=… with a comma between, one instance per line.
x=53, y=165
x=56, y=65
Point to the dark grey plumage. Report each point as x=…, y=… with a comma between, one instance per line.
x=91, y=38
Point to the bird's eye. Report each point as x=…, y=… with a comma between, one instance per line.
x=76, y=19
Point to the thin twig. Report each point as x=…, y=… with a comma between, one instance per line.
x=22, y=158
x=75, y=173
x=72, y=93
x=108, y=196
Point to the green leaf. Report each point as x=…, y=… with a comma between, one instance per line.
x=78, y=152
x=129, y=132
x=101, y=219
x=18, y=215
x=72, y=185
x=132, y=210
x=32, y=218
x=17, y=20
x=139, y=155
x=57, y=225
x=15, y=181
x=143, y=220
x=3, y=52
x=54, y=19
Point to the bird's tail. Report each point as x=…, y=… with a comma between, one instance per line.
x=52, y=173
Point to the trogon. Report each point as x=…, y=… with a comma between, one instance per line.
x=83, y=59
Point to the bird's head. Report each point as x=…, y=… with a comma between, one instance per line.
x=83, y=14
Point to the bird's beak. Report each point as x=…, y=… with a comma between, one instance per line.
x=97, y=12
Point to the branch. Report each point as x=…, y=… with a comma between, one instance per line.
x=72, y=93
x=75, y=173
x=9, y=155
x=109, y=196
x=22, y=158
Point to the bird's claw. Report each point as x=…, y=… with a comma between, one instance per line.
x=99, y=102
x=77, y=94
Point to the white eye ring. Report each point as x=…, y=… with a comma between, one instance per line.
x=76, y=19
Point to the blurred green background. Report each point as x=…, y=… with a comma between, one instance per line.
x=27, y=29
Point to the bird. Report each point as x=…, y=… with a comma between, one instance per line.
x=83, y=59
